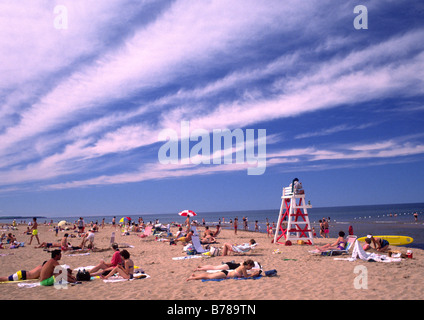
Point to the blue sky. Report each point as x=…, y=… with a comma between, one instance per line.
x=87, y=89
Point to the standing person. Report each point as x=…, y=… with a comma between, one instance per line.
x=256, y=226
x=321, y=229
x=326, y=228
x=103, y=223
x=34, y=230
x=114, y=222
x=235, y=225
x=80, y=225
x=416, y=216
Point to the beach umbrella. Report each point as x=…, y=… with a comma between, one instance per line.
x=187, y=213
x=61, y=223
x=123, y=219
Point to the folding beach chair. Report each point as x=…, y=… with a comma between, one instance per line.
x=195, y=232
x=349, y=244
x=197, y=245
x=147, y=232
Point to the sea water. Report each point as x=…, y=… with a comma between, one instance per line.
x=392, y=219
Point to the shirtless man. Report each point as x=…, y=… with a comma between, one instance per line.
x=63, y=244
x=47, y=274
x=34, y=230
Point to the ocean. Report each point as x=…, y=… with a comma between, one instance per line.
x=390, y=219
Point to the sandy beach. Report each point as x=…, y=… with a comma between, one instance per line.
x=301, y=275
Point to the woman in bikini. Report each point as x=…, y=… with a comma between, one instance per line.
x=239, y=272
x=339, y=244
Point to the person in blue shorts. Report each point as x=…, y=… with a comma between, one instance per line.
x=379, y=244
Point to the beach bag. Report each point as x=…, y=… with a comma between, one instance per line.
x=83, y=275
x=215, y=251
x=191, y=251
x=271, y=273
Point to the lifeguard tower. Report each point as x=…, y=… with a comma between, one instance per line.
x=293, y=220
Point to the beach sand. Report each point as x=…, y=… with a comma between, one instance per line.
x=301, y=275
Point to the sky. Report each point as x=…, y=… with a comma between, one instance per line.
x=124, y=107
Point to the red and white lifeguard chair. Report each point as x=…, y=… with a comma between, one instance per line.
x=297, y=225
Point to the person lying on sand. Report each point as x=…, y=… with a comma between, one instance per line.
x=64, y=245
x=208, y=240
x=228, y=248
x=239, y=272
x=226, y=266
x=24, y=275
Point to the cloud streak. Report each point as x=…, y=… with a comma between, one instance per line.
x=86, y=106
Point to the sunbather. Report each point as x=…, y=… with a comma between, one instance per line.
x=48, y=271
x=24, y=275
x=105, y=266
x=225, y=266
x=185, y=239
x=208, y=240
x=239, y=272
x=340, y=244
x=380, y=245
x=126, y=271
x=228, y=248
x=217, y=231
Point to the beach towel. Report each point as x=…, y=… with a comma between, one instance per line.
x=136, y=276
x=253, y=278
x=189, y=257
x=359, y=252
x=78, y=254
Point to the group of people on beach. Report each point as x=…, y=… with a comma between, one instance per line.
x=120, y=264
x=49, y=271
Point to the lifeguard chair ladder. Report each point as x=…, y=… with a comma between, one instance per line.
x=298, y=226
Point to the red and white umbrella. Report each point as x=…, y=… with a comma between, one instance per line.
x=187, y=213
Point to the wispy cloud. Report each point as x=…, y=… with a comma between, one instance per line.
x=77, y=104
